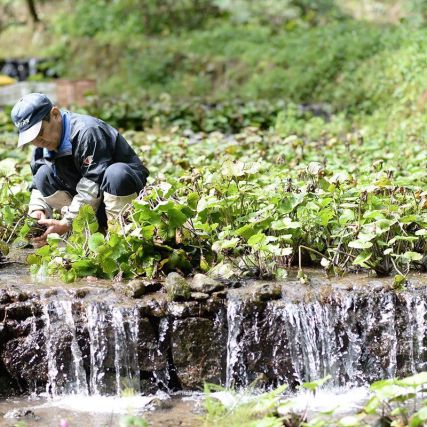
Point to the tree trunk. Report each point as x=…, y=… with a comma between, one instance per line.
x=32, y=9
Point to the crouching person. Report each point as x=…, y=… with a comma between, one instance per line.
x=77, y=160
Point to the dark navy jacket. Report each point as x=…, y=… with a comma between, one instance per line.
x=88, y=146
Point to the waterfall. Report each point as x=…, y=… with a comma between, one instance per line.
x=110, y=335
x=355, y=337
x=107, y=347
x=64, y=358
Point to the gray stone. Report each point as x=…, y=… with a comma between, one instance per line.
x=205, y=284
x=177, y=287
x=225, y=271
x=266, y=291
x=199, y=296
x=135, y=288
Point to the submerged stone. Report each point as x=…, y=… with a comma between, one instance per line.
x=20, y=414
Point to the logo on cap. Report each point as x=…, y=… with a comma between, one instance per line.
x=22, y=123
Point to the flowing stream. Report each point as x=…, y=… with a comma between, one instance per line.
x=103, y=356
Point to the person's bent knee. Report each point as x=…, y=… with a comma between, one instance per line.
x=119, y=180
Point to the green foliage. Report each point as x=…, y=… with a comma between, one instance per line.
x=226, y=116
x=133, y=421
x=262, y=49
x=340, y=202
x=242, y=411
x=126, y=18
x=277, y=14
x=279, y=186
x=13, y=201
x=394, y=402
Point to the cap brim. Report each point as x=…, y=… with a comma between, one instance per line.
x=30, y=134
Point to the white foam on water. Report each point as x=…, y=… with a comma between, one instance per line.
x=339, y=399
x=103, y=404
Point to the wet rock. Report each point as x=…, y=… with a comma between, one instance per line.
x=260, y=344
x=138, y=287
x=206, y=308
x=266, y=291
x=153, y=307
x=22, y=414
x=135, y=288
x=199, y=296
x=5, y=298
x=81, y=292
x=233, y=284
x=8, y=386
x=15, y=328
x=161, y=403
x=23, y=296
x=152, y=286
x=25, y=359
x=198, y=351
x=50, y=293
x=177, y=287
x=152, y=350
x=22, y=310
x=205, y=284
x=185, y=309
x=220, y=296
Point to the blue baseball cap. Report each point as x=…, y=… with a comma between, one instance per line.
x=27, y=115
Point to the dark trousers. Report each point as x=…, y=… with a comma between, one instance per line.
x=119, y=179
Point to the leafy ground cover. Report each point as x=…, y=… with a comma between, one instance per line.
x=304, y=192
x=241, y=174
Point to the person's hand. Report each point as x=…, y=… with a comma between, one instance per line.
x=53, y=226
x=38, y=215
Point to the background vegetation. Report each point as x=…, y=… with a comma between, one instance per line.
x=322, y=96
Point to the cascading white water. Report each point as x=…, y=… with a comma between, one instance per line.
x=126, y=345
x=162, y=377
x=63, y=378
x=354, y=337
x=357, y=338
x=235, y=364
x=113, y=342
x=80, y=384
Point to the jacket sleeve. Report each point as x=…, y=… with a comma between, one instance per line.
x=87, y=194
x=37, y=203
x=92, y=158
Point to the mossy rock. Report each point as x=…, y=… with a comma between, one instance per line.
x=177, y=287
